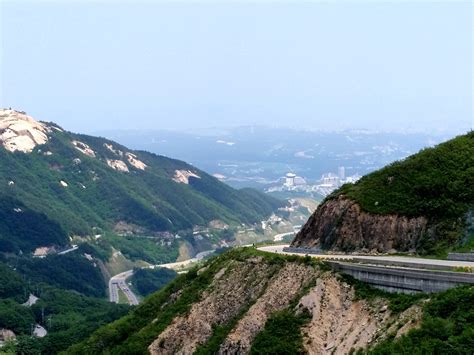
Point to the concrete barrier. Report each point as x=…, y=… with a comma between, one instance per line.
x=314, y=251
x=461, y=256
x=394, y=279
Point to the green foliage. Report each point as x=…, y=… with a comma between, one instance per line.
x=70, y=271
x=68, y=316
x=99, y=196
x=24, y=229
x=282, y=334
x=467, y=246
x=11, y=284
x=142, y=248
x=434, y=183
x=147, y=281
x=133, y=333
x=16, y=317
x=447, y=327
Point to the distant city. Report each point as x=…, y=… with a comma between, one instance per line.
x=324, y=186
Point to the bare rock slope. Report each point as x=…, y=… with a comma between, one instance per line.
x=340, y=224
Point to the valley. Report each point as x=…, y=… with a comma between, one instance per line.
x=123, y=231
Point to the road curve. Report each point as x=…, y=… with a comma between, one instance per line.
x=422, y=261
x=119, y=281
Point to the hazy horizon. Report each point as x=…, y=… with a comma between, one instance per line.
x=93, y=66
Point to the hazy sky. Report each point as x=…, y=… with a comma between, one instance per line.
x=321, y=65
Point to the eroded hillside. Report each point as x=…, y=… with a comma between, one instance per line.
x=250, y=302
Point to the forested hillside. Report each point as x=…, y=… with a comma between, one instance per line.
x=67, y=316
x=59, y=184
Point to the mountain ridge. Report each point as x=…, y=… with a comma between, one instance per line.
x=86, y=184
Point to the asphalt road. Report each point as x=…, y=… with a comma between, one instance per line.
x=422, y=261
x=119, y=281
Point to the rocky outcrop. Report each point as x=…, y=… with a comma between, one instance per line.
x=233, y=288
x=280, y=292
x=83, y=148
x=20, y=132
x=339, y=322
x=340, y=224
x=182, y=176
x=118, y=165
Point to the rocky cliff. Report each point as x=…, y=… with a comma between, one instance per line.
x=340, y=224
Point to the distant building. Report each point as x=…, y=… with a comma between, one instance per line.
x=342, y=172
x=290, y=179
x=330, y=179
x=298, y=181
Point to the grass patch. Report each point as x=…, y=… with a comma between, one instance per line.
x=282, y=334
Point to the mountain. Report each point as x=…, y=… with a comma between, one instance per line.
x=57, y=185
x=422, y=204
x=249, y=302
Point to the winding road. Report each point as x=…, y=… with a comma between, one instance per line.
x=119, y=281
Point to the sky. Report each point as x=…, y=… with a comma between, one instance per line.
x=91, y=66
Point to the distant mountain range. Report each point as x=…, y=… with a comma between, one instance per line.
x=258, y=156
x=56, y=184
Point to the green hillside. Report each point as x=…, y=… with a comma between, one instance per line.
x=436, y=183
x=37, y=209
x=67, y=316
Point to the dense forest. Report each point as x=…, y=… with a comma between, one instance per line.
x=68, y=316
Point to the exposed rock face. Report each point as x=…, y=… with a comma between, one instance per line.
x=135, y=162
x=84, y=148
x=340, y=323
x=20, y=132
x=233, y=288
x=131, y=158
x=6, y=334
x=340, y=224
x=182, y=176
x=279, y=293
x=118, y=165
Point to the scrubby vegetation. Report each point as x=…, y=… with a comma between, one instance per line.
x=282, y=334
x=135, y=332
x=398, y=302
x=432, y=183
x=447, y=327
x=435, y=183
